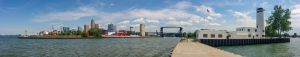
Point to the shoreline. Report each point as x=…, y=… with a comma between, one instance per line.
x=63, y=37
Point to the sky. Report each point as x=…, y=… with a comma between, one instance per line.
x=16, y=16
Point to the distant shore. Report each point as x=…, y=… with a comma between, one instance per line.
x=78, y=37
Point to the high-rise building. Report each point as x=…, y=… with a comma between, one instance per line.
x=111, y=28
x=115, y=28
x=86, y=28
x=97, y=26
x=92, y=23
x=142, y=30
x=260, y=22
x=66, y=29
x=130, y=30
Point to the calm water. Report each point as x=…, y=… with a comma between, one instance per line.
x=291, y=49
x=114, y=47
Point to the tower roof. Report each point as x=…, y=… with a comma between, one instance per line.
x=260, y=9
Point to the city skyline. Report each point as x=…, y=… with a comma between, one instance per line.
x=34, y=16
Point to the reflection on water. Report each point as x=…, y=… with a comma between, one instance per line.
x=114, y=47
x=291, y=49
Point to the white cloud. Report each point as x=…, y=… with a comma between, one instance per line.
x=179, y=23
x=124, y=22
x=66, y=16
x=152, y=21
x=183, y=5
x=139, y=20
x=207, y=10
x=243, y=19
x=295, y=16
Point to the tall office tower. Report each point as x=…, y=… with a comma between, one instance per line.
x=142, y=30
x=260, y=22
x=92, y=23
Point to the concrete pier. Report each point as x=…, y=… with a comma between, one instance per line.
x=189, y=48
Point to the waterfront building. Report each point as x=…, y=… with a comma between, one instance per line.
x=240, y=33
x=142, y=30
x=212, y=34
x=244, y=33
x=151, y=33
x=86, y=28
x=111, y=28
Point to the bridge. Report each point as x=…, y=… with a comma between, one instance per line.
x=179, y=34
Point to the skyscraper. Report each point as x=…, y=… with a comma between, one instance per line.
x=92, y=23
x=86, y=28
x=260, y=22
x=110, y=27
x=66, y=29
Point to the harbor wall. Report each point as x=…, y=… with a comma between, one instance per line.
x=234, y=42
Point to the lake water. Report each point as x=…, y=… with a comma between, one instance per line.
x=127, y=47
x=291, y=49
x=112, y=47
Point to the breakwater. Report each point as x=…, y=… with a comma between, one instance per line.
x=233, y=42
x=191, y=48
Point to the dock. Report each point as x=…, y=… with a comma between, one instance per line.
x=190, y=48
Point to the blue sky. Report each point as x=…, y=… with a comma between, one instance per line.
x=16, y=16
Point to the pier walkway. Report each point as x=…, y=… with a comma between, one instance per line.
x=189, y=48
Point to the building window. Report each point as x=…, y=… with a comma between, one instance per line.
x=249, y=35
x=256, y=35
x=219, y=35
x=263, y=35
x=263, y=30
x=212, y=35
x=248, y=30
x=204, y=35
x=255, y=30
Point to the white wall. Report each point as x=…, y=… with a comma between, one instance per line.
x=209, y=33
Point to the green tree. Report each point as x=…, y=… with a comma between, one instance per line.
x=95, y=32
x=83, y=34
x=286, y=35
x=278, y=22
x=295, y=35
x=190, y=35
x=270, y=31
x=78, y=32
x=184, y=34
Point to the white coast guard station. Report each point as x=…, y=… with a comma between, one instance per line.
x=257, y=32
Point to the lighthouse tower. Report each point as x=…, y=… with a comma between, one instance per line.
x=260, y=23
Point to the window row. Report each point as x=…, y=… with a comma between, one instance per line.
x=212, y=36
